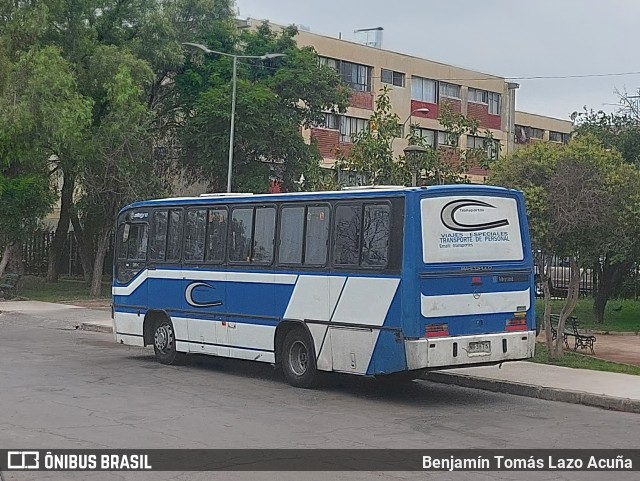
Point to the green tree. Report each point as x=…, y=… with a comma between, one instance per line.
x=98, y=38
x=621, y=132
x=274, y=99
x=577, y=196
x=41, y=116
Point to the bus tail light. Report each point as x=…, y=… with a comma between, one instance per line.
x=517, y=324
x=437, y=330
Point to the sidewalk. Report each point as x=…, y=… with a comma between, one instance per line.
x=619, y=392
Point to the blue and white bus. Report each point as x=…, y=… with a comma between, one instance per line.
x=373, y=281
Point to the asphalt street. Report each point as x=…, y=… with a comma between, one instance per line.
x=65, y=388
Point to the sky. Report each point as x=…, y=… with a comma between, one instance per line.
x=513, y=39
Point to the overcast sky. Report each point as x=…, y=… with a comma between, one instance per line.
x=502, y=37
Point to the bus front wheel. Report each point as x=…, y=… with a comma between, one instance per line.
x=164, y=343
x=298, y=359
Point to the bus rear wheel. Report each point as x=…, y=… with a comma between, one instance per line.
x=164, y=343
x=298, y=359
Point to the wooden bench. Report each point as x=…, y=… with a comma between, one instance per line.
x=9, y=285
x=571, y=329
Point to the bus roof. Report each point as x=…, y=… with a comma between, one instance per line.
x=364, y=192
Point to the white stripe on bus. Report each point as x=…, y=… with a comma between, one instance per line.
x=474, y=303
x=253, y=277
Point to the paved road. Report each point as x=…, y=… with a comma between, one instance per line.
x=64, y=388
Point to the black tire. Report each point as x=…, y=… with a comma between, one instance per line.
x=299, y=360
x=164, y=343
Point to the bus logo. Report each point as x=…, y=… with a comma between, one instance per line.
x=188, y=295
x=448, y=216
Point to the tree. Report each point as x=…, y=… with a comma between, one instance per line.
x=121, y=165
x=41, y=116
x=96, y=38
x=619, y=131
x=576, y=194
x=275, y=98
x=372, y=150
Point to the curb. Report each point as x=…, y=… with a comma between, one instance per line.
x=616, y=333
x=89, y=326
x=540, y=392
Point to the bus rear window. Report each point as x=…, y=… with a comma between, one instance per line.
x=470, y=229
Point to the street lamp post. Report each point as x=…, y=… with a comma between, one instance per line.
x=413, y=153
x=423, y=110
x=233, y=92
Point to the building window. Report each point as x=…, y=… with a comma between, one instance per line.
x=522, y=134
x=488, y=145
x=494, y=103
x=449, y=90
x=558, y=137
x=478, y=96
x=428, y=135
x=492, y=99
x=536, y=133
x=423, y=90
x=445, y=140
x=355, y=75
x=392, y=77
x=349, y=126
x=331, y=121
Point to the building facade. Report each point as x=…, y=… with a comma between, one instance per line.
x=418, y=90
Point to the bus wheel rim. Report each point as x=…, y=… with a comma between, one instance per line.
x=163, y=338
x=299, y=358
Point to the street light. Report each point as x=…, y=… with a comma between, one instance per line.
x=412, y=154
x=423, y=110
x=208, y=51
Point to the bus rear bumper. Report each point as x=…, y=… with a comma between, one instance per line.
x=466, y=350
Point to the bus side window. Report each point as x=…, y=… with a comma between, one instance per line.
x=216, y=235
x=264, y=235
x=317, y=240
x=194, y=231
x=123, y=238
x=241, y=234
x=291, y=234
x=174, y=235
x=375, y=236
x=158, y=247
x=348, y=221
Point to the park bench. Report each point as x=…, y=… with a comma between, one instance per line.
x=9, y=285
x=571, y=329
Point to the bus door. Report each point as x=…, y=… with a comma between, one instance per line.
x=204, y=289
x=251, y=289
x=130, y=290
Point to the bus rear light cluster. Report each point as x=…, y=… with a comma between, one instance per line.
x=437, y=330
x=517, y=324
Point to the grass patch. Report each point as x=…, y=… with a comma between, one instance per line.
x=619, y=315
x=581, y=361
x=66, y=289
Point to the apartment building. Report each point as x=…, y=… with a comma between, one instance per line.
x=534, y=128
x=418, y=90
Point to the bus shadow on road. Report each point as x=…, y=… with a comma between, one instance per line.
x=414, y=393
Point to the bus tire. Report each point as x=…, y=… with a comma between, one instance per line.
x=298, y=359
x=164, y=343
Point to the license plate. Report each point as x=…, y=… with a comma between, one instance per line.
x=481, y=347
